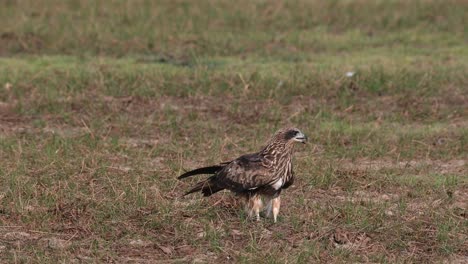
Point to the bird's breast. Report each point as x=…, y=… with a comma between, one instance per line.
x=278, y=184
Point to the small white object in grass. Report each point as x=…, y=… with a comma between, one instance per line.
x=350, y=74
x=56, y=243
x=280, y=84
x=8, y=86
x=17, y=236
x=139, y=243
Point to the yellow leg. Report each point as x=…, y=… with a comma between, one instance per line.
x=275, y=204
x=254, y=206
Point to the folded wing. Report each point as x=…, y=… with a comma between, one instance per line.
x=242, y=175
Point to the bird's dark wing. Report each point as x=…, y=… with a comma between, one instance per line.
x=204, y=170
x=245, y=173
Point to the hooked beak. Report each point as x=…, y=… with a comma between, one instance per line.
x=300, y=137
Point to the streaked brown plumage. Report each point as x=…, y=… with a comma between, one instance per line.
x=265, y=173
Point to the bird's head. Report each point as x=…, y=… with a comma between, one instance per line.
x=283, y=140
x=293, y=135
x=287, y=136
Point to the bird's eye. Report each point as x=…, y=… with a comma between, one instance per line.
x=291, y=133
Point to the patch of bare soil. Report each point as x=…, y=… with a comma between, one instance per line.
x=456, y=259
x=202, y=106
x=12, y=123
x=18, y=235
x=55, y=243
x=337, y=194
x=11, y=41
x=355, y=241
x=21, y=127
x=458, y=167
x=460, y=202
x=15, y=236
x=375, y=197
x=139, y=142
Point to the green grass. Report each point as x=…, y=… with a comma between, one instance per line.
x=103, y=104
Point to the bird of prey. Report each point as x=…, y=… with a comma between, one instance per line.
x=262, y=174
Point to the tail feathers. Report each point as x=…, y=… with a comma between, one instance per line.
x=207, y=187
x=205, y=170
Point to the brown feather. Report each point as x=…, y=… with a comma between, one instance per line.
x=265, y=172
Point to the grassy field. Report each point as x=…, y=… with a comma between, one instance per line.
x=103, y=105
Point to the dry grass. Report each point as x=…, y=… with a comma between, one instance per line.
x=99, y=113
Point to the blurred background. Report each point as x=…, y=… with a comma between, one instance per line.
x=104, y=103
